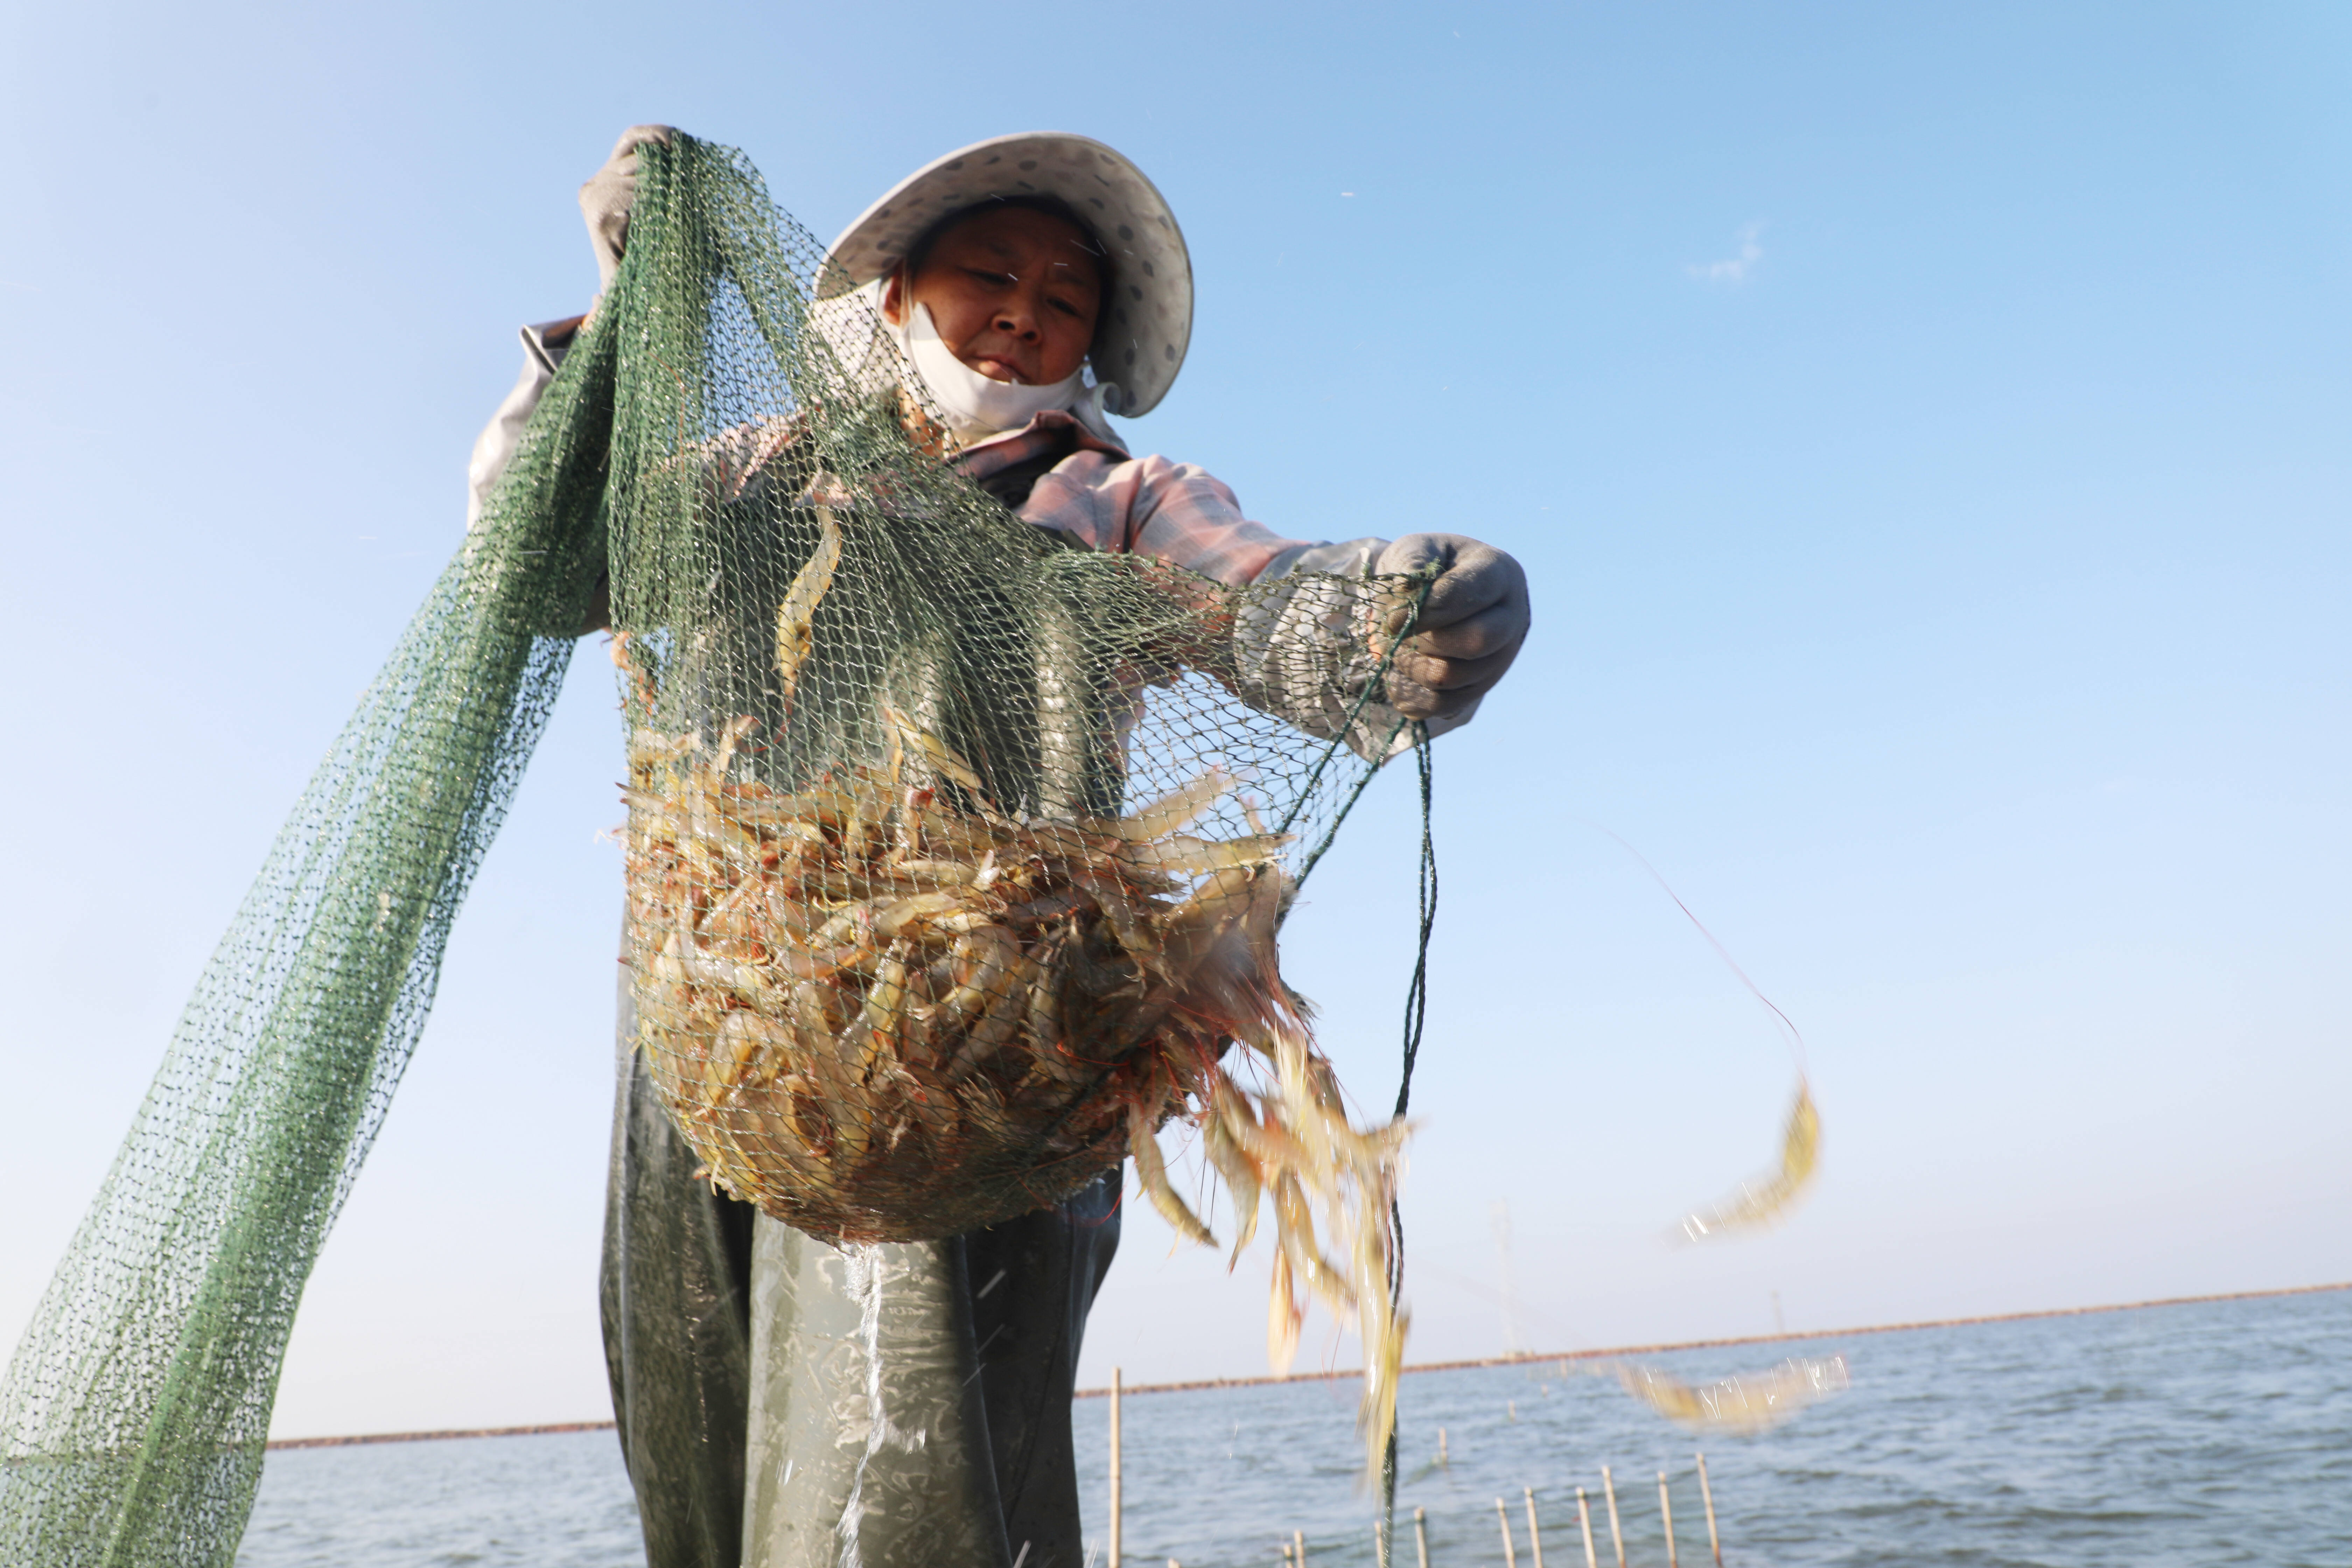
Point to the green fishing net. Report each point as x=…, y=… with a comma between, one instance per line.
x=954, y=859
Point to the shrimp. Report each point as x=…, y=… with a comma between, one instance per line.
x=750, y=1048
x=1295, y=1232
x=1284, y=1319
x=1180, y=852
x=873, y=1033
x=1171, y=811
x=1127, y=921
x=795, y=617
x=1223, y=1149
x=935, y=752
x=1151, y=1174
x=977, y=960
x=1008, y=1006
x=1764, y=1200
x=1743, y=1405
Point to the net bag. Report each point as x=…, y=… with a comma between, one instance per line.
x=955, y=857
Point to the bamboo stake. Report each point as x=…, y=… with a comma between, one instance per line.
x=1583, y=1522
x=1298, y=1540
x=1534, y=1537
x=1503, y=1518
x=1666, y=1507
x=1443, y=1462
x=1616, y=1536
x=1420, y=1537
x=1707, y=1496
x=1114, y=1467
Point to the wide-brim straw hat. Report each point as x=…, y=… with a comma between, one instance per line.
x=1147, y=313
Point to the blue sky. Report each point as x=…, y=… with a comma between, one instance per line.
x=1923, y=427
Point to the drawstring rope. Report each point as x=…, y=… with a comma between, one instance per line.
x=1416, y=1017
x=1416, y=997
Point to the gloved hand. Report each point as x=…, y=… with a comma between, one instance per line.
x=1470, y=628
x=605, y=199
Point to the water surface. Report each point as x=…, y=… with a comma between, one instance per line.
x=2199, y=1435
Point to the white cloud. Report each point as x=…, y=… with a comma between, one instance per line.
x=1734, y=269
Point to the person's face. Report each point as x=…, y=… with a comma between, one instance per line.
x=1014, y=293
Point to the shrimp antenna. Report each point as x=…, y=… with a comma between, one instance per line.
x=1796, y=1036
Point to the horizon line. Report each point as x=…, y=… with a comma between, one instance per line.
x=1521, y=1358
x=1530, y=1358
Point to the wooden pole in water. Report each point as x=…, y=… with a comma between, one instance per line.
x=1534, y=1537
x=1667, y=1508
x=1298, y=1542
x=1616, y=1536
x=1114, y=1467
x=1421, y=1536
x=1707, y=1496
x=1503, y=1518
x=1583, y=1522
x=1443, y=1462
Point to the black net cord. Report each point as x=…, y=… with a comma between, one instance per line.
x=1377, y=685
x=1416, y=1017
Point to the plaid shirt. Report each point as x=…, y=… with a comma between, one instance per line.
x=1304, y=657
x=1107, y=500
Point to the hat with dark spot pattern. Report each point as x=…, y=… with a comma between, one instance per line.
x=1147, y=310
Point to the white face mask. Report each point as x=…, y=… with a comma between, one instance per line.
x=976, y=406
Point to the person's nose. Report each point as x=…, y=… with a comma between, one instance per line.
x=1019, y=321
x=1019, y=317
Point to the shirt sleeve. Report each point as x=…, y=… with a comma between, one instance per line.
x=545, y=346
x=1175, y=512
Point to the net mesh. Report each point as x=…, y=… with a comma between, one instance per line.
x=955, y=857
x=135, y=1409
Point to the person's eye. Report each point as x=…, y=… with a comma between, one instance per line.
x=992, y=279
x=1069, y=309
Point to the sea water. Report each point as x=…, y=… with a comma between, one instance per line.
x=2197, y=1435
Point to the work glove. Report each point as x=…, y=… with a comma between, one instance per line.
x=1470, y=626
x=605, y=199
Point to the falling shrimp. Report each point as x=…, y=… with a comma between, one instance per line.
x=1765, y=1199
x=1746, y=1404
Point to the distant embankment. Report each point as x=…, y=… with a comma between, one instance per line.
x=1523, y=1359
x=432, y=1437
x=1527, y=1358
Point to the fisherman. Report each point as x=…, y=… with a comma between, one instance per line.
x=784, y=1404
